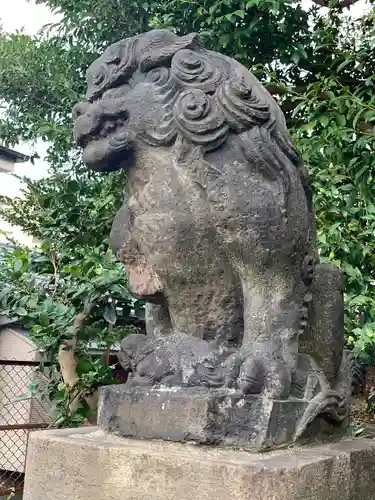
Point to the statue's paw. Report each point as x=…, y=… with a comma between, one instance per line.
x=251, y=378
x=136, y=380
x=252, y=374
x=232, y=367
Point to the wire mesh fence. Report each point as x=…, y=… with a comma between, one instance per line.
x=19, y=415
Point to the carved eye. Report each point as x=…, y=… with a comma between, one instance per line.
x=100, y=76
x=79, y=110
x=113, y=55
x=158, y=76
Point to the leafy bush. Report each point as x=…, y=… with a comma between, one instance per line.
x=71, y=274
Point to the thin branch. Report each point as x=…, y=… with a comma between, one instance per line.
x=347, y=3
x=340, y=5
x=322, y=3
x=280, y=89
x=294, y=121
x=55, y=272
x=275, y=89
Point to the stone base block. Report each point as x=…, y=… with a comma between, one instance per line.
x=205, y=416
x=88, y=464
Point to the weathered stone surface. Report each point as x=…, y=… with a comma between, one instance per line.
x=327, y=318
x=87, y=464
x=202, y=415
x=217, y=229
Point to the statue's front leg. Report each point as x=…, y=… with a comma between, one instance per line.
x=268, y=357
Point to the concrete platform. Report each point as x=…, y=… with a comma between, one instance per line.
x=88, y=464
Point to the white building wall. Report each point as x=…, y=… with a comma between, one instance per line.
x=6, y=165
x=7, y=230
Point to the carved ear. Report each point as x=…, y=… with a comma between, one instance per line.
x=161, y=46
x=120, y=60
x=114, y=67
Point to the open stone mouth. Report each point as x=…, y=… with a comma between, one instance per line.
x=101, y=147
x=110, y=128
x=110, y=123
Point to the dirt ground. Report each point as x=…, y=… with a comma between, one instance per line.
x=362, y=420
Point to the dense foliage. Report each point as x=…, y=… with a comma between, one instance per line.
x=317, y=62
x=71, y=272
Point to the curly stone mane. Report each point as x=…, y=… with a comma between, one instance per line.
x=203, y=99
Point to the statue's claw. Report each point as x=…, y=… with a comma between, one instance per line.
x=254, y=374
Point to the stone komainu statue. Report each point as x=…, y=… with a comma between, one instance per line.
x=217, y=228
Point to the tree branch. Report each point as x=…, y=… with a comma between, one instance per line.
x=347, y=3
x=55, y=272
x=280, y=89
x=322, y=3
x=68, y=365
x=340, y=5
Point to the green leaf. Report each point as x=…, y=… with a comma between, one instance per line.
x=239, y=13
x=359, y=300
x=84, y=365
x=341, y=120
x=4, y=293
x=295, y=57
x=110, y=314
x=224, y=39
x=18, y=265
x=32, y=303
x=61, y=421
x=302, y=50
x=324, y=120
x=25, y=397
x=34, y=386
x=346, y=187
x=357, y=117
x=77, y=419
x=20, y=311
x=345, y=63
x=60, y=396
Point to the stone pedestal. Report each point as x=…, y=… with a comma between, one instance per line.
x=206, y=416
x=88, y=464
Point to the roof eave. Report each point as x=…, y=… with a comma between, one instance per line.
x=13, y=155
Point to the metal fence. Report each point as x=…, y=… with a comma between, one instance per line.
x=18, y=417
